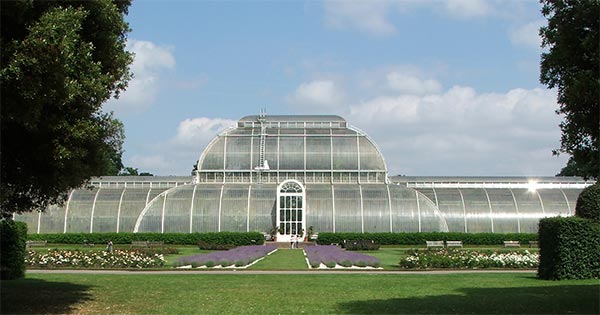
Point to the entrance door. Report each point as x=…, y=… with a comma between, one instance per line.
x=290, y=210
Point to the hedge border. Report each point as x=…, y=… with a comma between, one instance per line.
x=12, y=247
x=569, y=248
x=420, y=238
x=219, y=238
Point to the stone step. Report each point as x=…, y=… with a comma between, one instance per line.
x=287, y=244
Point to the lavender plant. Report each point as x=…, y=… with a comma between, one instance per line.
x=331, y=255
x=239, y=256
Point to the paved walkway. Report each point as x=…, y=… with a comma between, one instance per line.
x=269, y=272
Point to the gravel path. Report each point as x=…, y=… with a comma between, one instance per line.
x=269, y=272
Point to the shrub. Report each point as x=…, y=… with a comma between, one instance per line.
x=235, y=238
x=360, y=245
x=569, y=248
x=588, y=203
x=326, y=238
x=213, y=246
x=13, y=236
x=330, y=264
x=346, y=263
x=444, y=258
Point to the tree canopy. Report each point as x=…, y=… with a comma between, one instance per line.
x=60, y=61
x=572, y=65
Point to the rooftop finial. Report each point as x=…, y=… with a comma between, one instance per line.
x=263, y=113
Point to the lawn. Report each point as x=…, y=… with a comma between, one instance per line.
x=291, y=294
x=282, y=259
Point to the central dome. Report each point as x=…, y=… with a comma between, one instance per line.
x=314, y=148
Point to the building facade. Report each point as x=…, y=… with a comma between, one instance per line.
x=292, y=172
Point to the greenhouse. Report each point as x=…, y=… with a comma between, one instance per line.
x=295, y=172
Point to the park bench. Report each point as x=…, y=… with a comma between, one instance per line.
x=139, y=244
x=146, y=244
x=534, y=244
x=454, y=244
x=512, y=244
x=313, y=237
x=431, y=244
x=35, y=243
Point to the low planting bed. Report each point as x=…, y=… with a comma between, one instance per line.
x=240, y=257
x=55, y=258
x=330, y=256
x=468, y=259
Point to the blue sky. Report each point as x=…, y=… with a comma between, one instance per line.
x=443, y=87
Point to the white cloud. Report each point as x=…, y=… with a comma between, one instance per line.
x=527, y=35
x=195, y=133
x=149, y=62
x=318, y=94
x=365, y=16
x=467, y=8
x=462, y=132
x=177, y=155
x=409, y=84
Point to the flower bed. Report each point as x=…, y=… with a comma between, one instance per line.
x=53, y=258
x=238, y=257
x=331, y=256
x=461, y=259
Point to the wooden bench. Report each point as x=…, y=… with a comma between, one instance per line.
x=454, y=244
x=146, y=244
x=512, y=244
x=139, y=244
x=35, y=243
x=431, y=244
x=534, y=244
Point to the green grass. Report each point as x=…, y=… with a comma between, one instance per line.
x=282, y=259
x=389, y=256
x=292, y=294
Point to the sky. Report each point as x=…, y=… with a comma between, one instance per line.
x=444, y=88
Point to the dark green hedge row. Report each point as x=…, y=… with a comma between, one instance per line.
x=360, y=245
x=235, y=238
x=588, y=203
x=420, y=238
x=569, y=248
x=13, y=236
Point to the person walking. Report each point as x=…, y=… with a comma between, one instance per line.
x=297, y=241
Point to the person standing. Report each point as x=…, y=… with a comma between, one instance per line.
x=292, y=240
x=109, y=247
x=297, y=240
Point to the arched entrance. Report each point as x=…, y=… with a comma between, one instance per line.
x=291, y=215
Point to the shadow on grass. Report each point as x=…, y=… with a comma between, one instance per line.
x=33, y=296
x=559, y=299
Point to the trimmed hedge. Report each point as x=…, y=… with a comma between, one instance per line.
x=360, y=245
x=588, y=203
x=13, y=236
x=218, y=238
x=420, y=238
x=569, y=248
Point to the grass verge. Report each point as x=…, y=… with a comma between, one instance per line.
x=282, y=259
x=292, y=294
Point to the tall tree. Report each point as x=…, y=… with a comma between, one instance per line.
x=60, y=60
x=572, y=65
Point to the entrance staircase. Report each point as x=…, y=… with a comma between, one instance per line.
x=287, y=244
